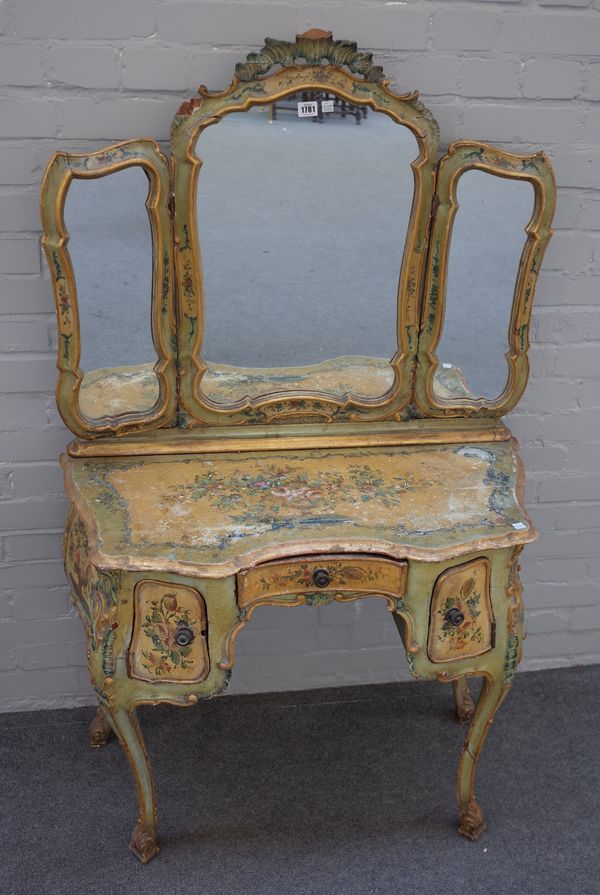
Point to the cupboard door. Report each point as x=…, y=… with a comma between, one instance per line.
x=170, y=636
x=461, y=623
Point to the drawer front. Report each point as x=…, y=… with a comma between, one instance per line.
x=461, y=623
x=170, y=637
x=322, y=574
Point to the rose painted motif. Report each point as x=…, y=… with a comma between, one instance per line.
x=160, y=626
x=169, y=638
x=281, y=485
x=461, y=613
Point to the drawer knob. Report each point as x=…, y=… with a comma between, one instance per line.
x=454, y=617
x=321, y=577
x=183, y=635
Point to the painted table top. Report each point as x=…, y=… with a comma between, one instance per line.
x=213, y=514
x=109, y=391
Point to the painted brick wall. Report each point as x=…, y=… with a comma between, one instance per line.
x=521, y=73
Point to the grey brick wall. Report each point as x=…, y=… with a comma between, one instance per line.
x=522, y=73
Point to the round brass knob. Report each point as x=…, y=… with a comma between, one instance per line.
x=321, y=577
x=454, y=617
x=183, y=635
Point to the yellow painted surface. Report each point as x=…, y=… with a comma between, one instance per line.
x=110, y=391
x=161, y=608
x=465, y=589
x=349, y=573
x=222, y=510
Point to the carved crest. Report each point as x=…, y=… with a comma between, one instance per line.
x=312, y=46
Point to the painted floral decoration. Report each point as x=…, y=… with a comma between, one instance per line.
x=279, y=488
x=470, y=630
x=160, y=626
x=95, y=591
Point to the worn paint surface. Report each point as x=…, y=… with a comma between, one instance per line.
x=365, y=377
x=113, y=390
x=219, y=508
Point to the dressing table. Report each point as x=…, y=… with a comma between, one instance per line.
x=297, y=397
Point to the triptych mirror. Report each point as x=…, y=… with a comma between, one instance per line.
x=303, y=255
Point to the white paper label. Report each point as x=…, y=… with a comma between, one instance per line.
x=447, y=366
x=519, y=525
x=308, y=110
x=327, y=105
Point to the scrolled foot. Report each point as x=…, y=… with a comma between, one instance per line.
x=143, y=843
x=464, y=706
x=100, y=730
x=471, y=823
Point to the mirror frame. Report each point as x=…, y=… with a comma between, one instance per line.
x=252, y=86
x=461, y=157
x=62, y=169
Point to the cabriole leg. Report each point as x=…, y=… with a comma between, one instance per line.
x=143, y=840
x=100, y=730
x=462, y=700
x=471, y=822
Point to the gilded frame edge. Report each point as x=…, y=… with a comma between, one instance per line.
x=60, y=171
x=188, y=124
x=463, y=156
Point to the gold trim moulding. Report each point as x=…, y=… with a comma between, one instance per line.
x=228, y=440
x=209, y=108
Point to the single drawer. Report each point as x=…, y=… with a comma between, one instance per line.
x=345, y=573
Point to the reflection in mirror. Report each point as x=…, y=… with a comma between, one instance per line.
x=110, y=245
x=302, y=224
x=485, y=248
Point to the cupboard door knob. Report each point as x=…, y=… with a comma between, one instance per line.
x=321, y=577
x=454, y=617
x=183, y=635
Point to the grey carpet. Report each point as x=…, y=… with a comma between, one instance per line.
x=345, y=790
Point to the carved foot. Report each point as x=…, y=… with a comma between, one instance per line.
x=100, y=730
x=143, y=843
x=471, y=824
x=464, y=707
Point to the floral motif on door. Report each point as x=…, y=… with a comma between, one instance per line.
x=461, y=620
x=169, y=641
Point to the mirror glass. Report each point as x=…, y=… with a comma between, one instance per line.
x=110, y=244
x=301, y=224
x=485, y=248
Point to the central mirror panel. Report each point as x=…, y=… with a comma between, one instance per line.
x=302, y=223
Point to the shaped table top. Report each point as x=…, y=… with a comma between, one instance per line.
x=212, y=514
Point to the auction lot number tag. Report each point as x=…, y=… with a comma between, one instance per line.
x=308, y=110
